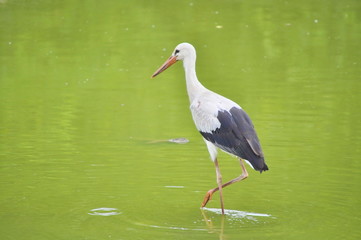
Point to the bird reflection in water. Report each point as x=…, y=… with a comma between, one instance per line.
x=210, y=226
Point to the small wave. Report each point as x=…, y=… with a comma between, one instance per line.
x=104, y=212
x=171, y=227
x=236, y=214
x=174, y=186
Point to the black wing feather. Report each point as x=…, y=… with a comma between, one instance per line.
x=237, y=136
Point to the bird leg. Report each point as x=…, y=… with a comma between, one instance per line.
x=209, y=194
x=219, y=182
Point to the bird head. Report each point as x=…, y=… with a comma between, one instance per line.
x=181, y=52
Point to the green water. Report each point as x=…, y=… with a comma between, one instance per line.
x=83, y=128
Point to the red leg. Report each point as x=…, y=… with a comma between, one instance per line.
x=209, y=194
x=219, y=182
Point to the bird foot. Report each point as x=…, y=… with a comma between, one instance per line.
x=207, y=198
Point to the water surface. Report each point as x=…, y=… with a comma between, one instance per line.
x=84, y=150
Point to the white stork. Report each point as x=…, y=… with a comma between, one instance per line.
x=222, y=122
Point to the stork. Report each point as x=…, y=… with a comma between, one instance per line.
x=222, y=123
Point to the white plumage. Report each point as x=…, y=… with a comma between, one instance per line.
x=205, y=108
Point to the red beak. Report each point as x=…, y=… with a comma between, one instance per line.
x=171, y=60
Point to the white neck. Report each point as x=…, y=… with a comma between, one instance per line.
x=194, y=87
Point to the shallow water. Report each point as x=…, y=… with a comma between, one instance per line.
x=84, y=131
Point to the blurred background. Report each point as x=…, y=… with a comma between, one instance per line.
x=84, y=151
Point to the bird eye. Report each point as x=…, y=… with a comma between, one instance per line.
x=176, y=51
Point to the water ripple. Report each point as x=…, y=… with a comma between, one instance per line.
x=236, y=214
x=104, y=211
